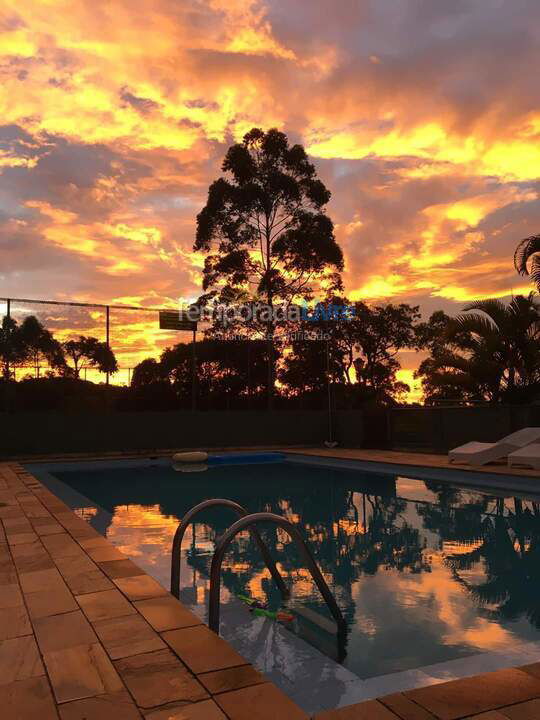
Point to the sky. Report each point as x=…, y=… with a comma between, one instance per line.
x=421, y=116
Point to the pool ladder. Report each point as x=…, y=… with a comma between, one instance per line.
x=248, y=521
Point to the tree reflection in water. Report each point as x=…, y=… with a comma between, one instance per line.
x=414, y=565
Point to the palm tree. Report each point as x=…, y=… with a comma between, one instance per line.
x=529, y=249
x=491, y=353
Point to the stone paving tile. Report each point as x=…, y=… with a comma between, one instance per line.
x=27, y=700
x=41, y=580
x=120, y=568
x=231, y=679
x=205, y=710
x=369, y=710
x=405, y=708
x=30, y=557
x=94, y=542
x=8, y=574
x=490, y=715
x=128, y=635
x=157, y=678
x=139, y=587
x=15, y=525
x=50, y=528
x=524, y=711
x=117, y=705
x=166, y=613
x=100, y=553
x=46, y=526
x=202, y=650
x=81, y=671
x=21, y=538
x=59, y=632
x=459, y=698
x=82, y=575
x=10, y=596
x=36, y=510
x=53, y=601
x=14, y=622
x=62, y=545
x=83, y=533
x=105, y=604
x=264, y=702
x=10, y=511
x=19, y=660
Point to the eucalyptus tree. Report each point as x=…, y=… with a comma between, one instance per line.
x=265, y=230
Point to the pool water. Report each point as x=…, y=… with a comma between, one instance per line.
x=424, y=571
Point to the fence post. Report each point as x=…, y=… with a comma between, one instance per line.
x=8, y=336
x=194, y=372
x=107, y=332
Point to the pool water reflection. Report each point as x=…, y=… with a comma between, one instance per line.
x=424, y=572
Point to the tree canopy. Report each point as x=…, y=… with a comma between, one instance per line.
x=264, y=225
x=491, y=353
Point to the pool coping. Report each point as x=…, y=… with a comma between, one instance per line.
x=86, y=633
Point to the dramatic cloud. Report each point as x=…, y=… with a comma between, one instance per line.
x=422, y=116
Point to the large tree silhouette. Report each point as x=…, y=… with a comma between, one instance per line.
x=265, y=229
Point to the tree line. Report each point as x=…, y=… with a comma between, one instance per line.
x=266, y=237
x=30, y=344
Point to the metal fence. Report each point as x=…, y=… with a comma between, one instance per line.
x=133, y=333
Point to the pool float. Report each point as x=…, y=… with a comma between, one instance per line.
x=259, y=609
x=279, y=615
x=226, y=459
x=190, y=457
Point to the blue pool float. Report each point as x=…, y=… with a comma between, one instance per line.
x=192, y=458
x=245, y=458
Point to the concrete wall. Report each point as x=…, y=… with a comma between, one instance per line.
x=29, y=433
x=441, y=428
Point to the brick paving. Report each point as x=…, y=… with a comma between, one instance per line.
x=86, y=635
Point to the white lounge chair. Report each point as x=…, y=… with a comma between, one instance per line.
x=528, y=456
x=478, y=453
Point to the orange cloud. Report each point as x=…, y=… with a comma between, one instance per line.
x=116, y=118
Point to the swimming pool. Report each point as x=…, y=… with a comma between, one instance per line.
x=435, y=580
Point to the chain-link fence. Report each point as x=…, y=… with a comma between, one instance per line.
x=197, y=372
x=132, y=334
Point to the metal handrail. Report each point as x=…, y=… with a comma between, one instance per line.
x=294, y=534
x=176, y=554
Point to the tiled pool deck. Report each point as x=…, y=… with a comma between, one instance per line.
x=85, y=634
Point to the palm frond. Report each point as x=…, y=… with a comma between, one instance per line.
x=524, y=251
x=535, y=271
x=474, y=323
x=451, y=360
x=493, y=308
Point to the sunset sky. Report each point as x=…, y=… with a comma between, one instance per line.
x=422, y=117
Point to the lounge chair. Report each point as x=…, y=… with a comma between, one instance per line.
x=528, y=456
x=478, y=453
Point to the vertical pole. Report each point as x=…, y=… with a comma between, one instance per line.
x=249, y=372
x=330, y=429
x=107, y=331
x=8, y=337
x=194, y=370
